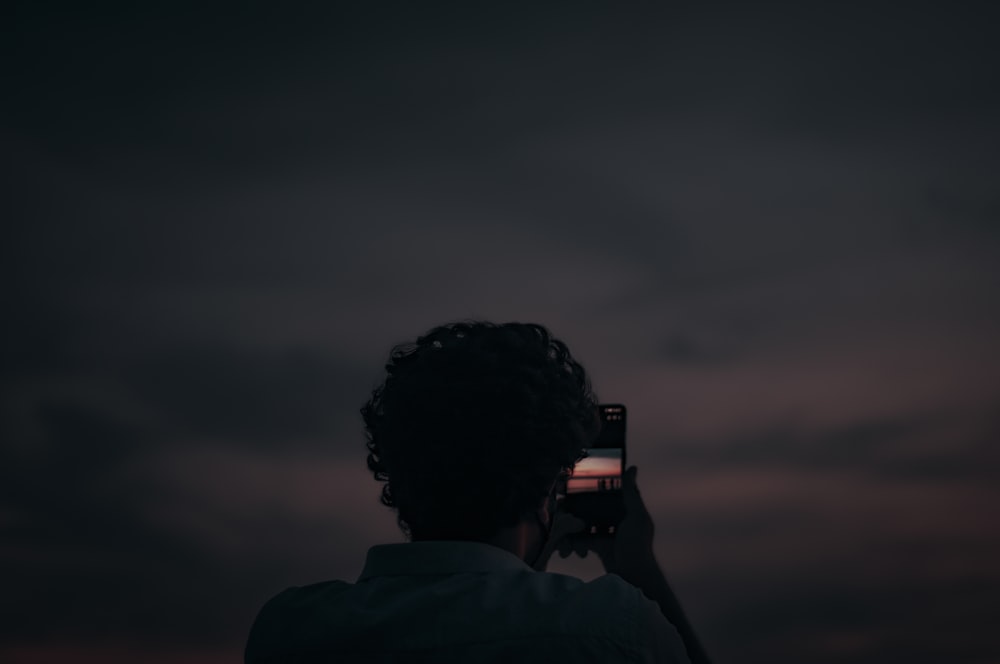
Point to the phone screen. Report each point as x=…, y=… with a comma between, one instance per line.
x=600, y=470
x=593, y=490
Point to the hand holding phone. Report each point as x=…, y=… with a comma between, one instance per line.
x=593, y=491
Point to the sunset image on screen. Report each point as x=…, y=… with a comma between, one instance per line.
x=601, y=470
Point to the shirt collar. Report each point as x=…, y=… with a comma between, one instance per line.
x=438, y=557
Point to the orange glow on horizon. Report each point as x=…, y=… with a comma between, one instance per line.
x=601, y=463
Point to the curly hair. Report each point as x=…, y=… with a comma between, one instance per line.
x=472, y=425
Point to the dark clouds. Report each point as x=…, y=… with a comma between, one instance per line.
x=223, y=393
x=770, y=230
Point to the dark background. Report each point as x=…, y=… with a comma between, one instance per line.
x=770, y=229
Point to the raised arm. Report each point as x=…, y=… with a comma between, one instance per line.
x=629, y=554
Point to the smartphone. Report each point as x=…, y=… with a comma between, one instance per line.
x=593, y=492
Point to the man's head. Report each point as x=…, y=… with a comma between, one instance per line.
x=473, y=424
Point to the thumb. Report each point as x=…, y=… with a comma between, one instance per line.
x=628, y=478
x=630, y=489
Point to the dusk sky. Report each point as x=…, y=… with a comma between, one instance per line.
x=599, y=463
x=772, y=231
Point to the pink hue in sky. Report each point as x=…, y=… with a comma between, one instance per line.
x=118, y=653
x=784, y=267
x=598, y=464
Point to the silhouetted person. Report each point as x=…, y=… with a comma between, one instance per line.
x=471, y=432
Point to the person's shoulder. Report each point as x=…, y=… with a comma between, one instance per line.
x=282, y=613
x=610, y=590
x=607, y=600
x=612, y=609
x=297, y=598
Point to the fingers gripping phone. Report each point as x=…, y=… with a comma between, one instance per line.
x=593, y=492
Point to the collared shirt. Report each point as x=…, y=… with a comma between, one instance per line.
x=461, y=602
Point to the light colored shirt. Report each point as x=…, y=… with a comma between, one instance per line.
x=462, y=602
